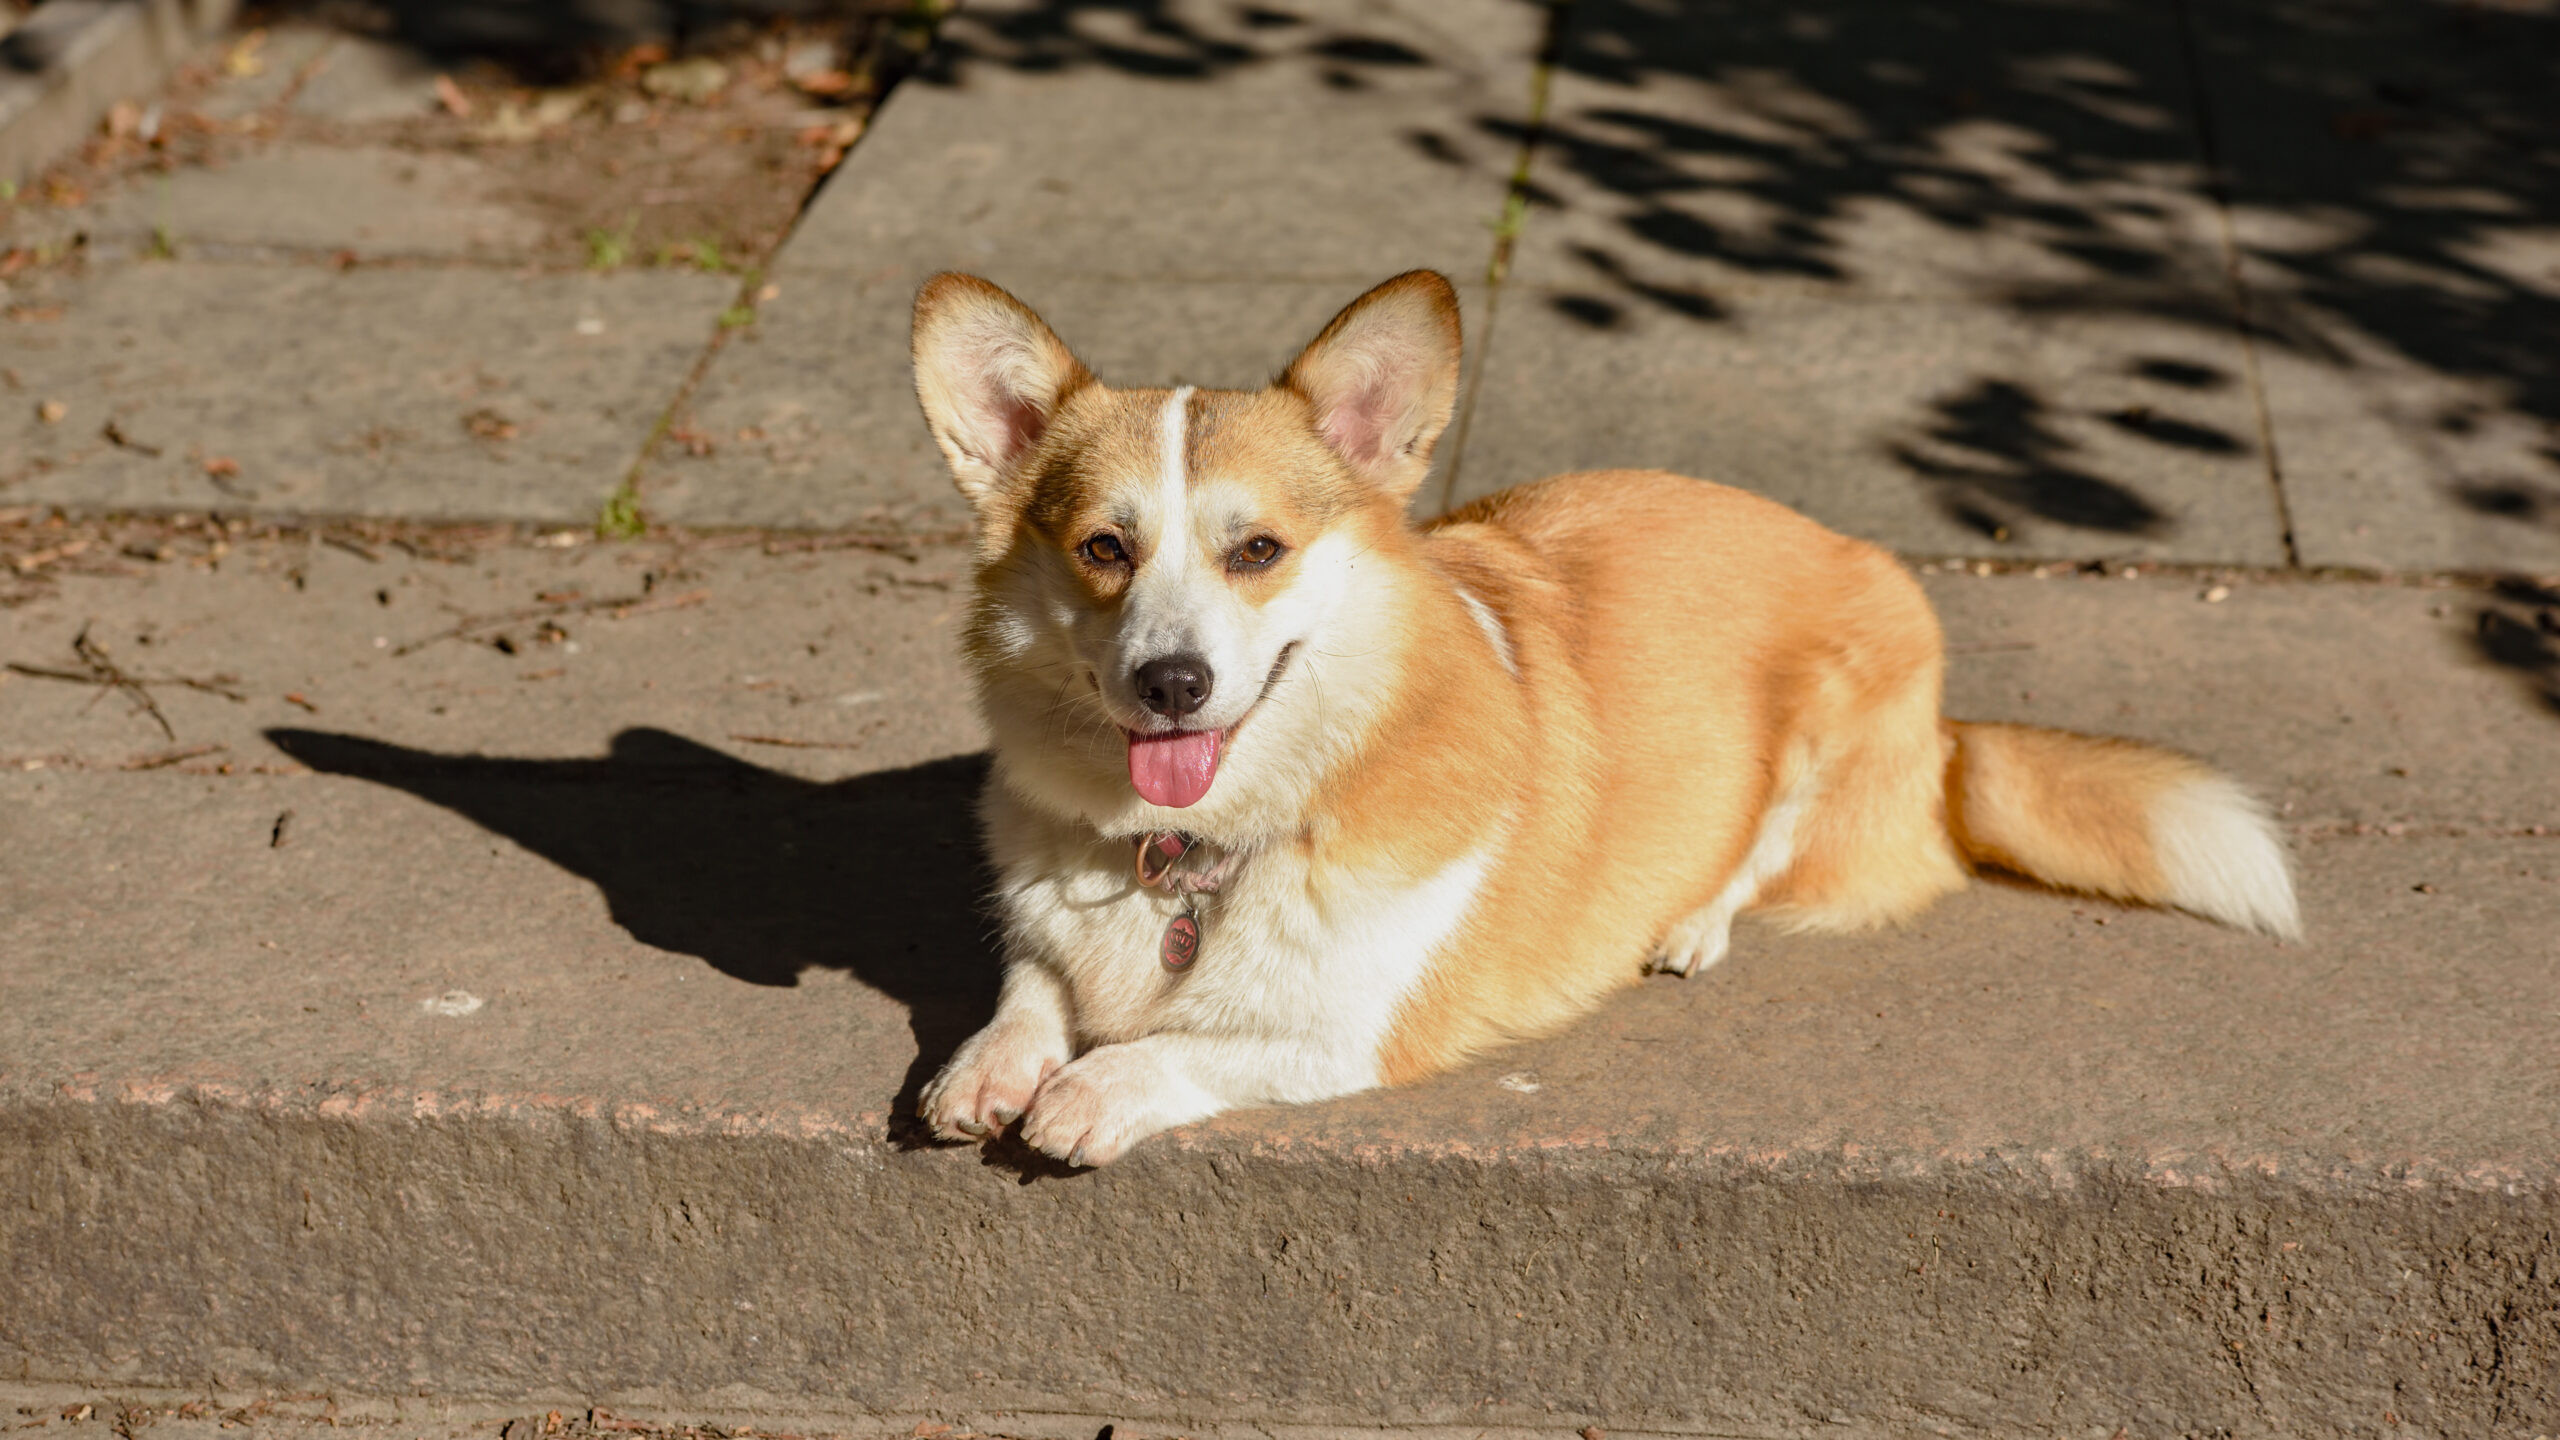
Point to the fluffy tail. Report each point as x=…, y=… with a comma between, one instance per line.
x=2115, y=818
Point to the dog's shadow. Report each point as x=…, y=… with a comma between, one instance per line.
x=760, y=874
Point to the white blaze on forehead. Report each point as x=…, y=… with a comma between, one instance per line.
x=1171, y=604
x=1173, y=432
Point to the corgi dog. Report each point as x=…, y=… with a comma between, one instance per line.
x=1292, y=797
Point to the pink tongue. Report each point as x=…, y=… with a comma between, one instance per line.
x=1174, y=770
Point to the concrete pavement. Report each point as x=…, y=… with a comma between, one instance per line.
x=551, y=1005
x=474, y=968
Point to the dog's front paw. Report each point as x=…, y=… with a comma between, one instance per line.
x=990, y=1082
x=1092, y=1111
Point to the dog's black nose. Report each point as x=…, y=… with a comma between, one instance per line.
x=1175, y=685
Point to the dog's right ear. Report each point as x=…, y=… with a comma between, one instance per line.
x=990, y=376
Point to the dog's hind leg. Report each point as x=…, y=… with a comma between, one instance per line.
x=1700, y=938
x=1875, y=849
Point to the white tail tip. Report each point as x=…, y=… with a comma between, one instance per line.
x=2222, y=858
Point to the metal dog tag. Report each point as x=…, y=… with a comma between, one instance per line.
x=1181, y=941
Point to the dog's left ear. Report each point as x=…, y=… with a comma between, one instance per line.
x=1383, y=378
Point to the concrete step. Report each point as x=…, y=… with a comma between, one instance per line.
x=537, y=1025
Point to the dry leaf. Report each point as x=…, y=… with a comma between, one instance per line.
x=512, y=125
x=639, y=58
x=697, y=81
x=243, y=59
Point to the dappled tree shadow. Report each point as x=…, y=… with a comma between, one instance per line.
x=2388, y=165
x=1995, y=453
x=1152, y=38
x=2522, y=501
x=1753, y=136
x=2416, y=143
x=2519, y=631
x=1168, y=40
x=2389, y=173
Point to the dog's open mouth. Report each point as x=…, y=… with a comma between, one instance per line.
x=1175, y=769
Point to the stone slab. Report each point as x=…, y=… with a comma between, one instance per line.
x=2397, y=204
x=433, y=393
x=1933, y=427
x=1187, y=198
x=1330, y=140
x=839, y=660
x=2391, y=465
x=364, y=80
x=2057, y=1168
x=199, y=1414
x=2347, y=705
x=2059, y=1158
x=279, y=56
x=1949, y=277
x=373, y=202
x=810, y=416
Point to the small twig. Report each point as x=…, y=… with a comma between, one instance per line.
x=902, y=546
x=163, y=758
x=791, y=744
x=353, y=547
x=95, y=656
x=102, y=671
x=218, y=685
x=114, y=435
x=621, y=606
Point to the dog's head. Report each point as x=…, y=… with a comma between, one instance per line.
x=1183, y=596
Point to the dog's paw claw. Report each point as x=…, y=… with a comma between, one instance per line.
x=988, y=1084
x=1693, y=944
x=1091, y=1112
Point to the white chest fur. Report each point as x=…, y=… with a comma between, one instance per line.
x=1294, y=960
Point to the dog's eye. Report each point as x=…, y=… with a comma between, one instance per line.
x=1255, y=553
x=1103, y=549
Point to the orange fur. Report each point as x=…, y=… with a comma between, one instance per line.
x=1649, y=700
x=1715, y=644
